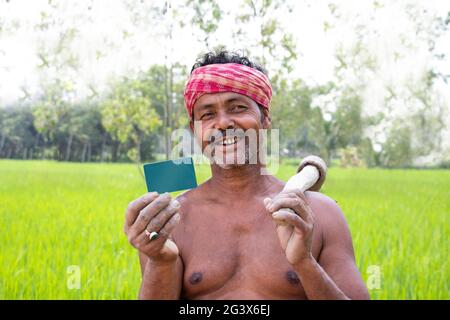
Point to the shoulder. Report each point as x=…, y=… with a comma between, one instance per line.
x=326, y=211
x=321, y=201
x=193, y=196
x=190, y=195
x=331, y=223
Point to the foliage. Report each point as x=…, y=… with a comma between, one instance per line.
x=128, y=115
x=69, y=117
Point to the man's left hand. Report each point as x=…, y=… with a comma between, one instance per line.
x=294, y=228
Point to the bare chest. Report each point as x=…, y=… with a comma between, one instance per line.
x=235, y=258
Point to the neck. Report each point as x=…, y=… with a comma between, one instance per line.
x=246, y=180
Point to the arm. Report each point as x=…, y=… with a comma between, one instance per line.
x=161, y=265
x=335, y=275
x=160, y=280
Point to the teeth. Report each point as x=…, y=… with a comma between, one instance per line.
x=229, y=141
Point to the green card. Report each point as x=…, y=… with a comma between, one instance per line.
x=170, y=175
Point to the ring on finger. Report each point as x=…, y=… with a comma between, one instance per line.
x=151, y=235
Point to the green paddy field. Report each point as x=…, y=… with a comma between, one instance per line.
x=61, y=220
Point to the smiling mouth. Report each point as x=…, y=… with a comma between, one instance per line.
x=227, y=140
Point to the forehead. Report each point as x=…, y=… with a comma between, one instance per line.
x=212, y=99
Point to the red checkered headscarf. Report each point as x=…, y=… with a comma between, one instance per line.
x=227, y=77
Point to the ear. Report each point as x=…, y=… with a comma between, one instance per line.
x=267, y=119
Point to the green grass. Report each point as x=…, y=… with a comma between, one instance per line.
x=54, y=215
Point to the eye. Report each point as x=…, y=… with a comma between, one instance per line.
x=239, y=108
x=206, y=115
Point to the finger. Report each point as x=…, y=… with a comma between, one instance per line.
x=163, y=234
x=137, y=205
x=306, y=212
x=151, y=211
x=267, y=202
x=287, y=217
x=143, y=243
x=157, y=222
x=281, y=195
x=298, y=204
x=139, y=238
x=296, y=192
x=277, y=204
x=289, y=194
x=167, y=229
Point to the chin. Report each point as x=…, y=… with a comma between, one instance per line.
x=234, y=158
x=230, y=161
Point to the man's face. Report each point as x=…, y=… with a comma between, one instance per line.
x=229, y=124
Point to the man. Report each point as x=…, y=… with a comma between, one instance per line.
x=220, y=240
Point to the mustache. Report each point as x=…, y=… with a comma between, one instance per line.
x=216, y=136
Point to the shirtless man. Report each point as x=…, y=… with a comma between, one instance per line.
x=219, y=240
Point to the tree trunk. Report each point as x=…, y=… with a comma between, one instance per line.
x=89, y=151
x=83, y=153
x=35, y=147
x=168, y=110
x=138, y=151
x=60, y=152
x=69, y=146
x=44, y=140
x=2, y=143
x=102, y=154
x=138, y=158
x=13, y=151
x=169, y=120
x=115, y=150
x=169, y=89
x=166, y=113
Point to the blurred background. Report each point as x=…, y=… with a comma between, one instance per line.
x=90, y=89
x=367, y=81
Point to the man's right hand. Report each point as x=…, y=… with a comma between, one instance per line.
x=154, y=213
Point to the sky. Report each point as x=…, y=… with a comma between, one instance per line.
x=103, y=32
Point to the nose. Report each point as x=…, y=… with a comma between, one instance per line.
x=223, y=121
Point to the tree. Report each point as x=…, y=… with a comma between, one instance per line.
x=206, y=16
x=57, y=67
x=17, y=134
x=301, y=124
x=397, y=151
x=389, y=98
x=272, y=45
x=49, y=112
x=129, y=115
x=3, y=130
x=154, y=87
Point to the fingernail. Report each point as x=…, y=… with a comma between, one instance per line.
x=150, y=196
x=176, y=204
